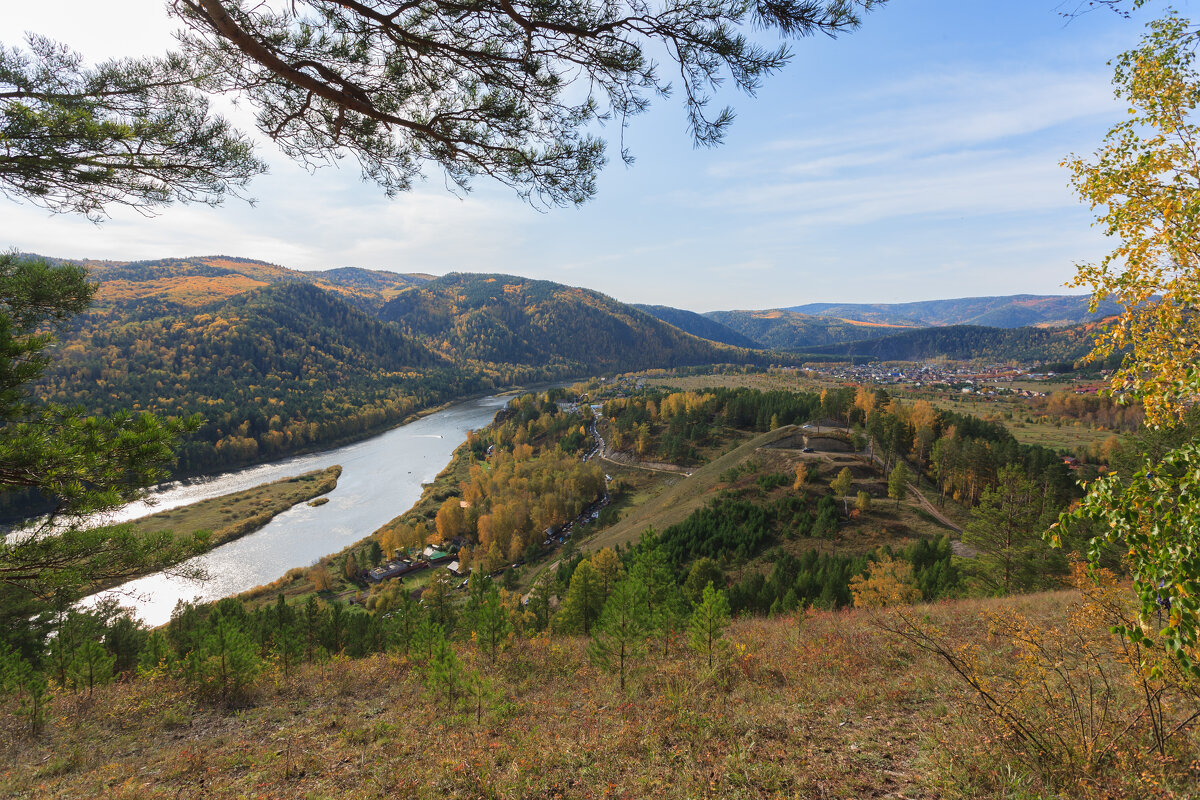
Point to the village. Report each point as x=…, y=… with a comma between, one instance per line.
x=412, y=561
x=963, y=377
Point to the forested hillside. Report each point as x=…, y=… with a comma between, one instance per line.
x=502, y=319
x=271, y=371
x=277, y=361
x=965, y=342
x=786, y=330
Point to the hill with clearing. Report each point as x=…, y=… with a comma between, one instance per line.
x=682, y=496
x=205, y=279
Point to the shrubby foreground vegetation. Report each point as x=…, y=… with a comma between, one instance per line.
x=808, y=702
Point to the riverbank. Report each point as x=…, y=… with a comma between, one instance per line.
x=383, y=477
x=296, y=584
x=316, y=448
x=232, y=516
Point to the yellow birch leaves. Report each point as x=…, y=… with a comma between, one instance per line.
x=1145, y=185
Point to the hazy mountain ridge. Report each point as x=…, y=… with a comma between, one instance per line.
x=698, y=325
x=1002, y=311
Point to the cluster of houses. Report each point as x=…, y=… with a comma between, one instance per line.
x=405, y=562
x=965, y=377
x=408, y=562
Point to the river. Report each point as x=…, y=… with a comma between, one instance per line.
x=381, y=479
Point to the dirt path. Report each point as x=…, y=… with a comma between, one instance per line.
x=625, y=460
x=956, y=545
x=632, y=462
x=932, y=509
x=959, y=547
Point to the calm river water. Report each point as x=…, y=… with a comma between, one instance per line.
x=381, y=479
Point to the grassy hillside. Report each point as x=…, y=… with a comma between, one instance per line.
x=814, y=704
x=681, y=496
x=744, y=471
x=1013, y=311
x=497, y=319
x=787, y=330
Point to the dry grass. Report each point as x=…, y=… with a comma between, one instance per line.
x=763, y=381
x=815, y=706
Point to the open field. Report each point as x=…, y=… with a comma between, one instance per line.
x=765, y=382
x=1012, y=414
x=1060, y=437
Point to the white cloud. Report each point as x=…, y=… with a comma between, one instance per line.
x=934, y=180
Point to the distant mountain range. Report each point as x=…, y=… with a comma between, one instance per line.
x=778, y=329
x=1012, y=311
x=849, y=329
x=966, y=342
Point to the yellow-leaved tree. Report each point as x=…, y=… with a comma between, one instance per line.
x=1145, y=184
x=889, y=582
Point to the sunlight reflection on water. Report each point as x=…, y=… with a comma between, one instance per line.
x=381, y=478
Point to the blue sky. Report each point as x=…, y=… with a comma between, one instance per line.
x=914, y=159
